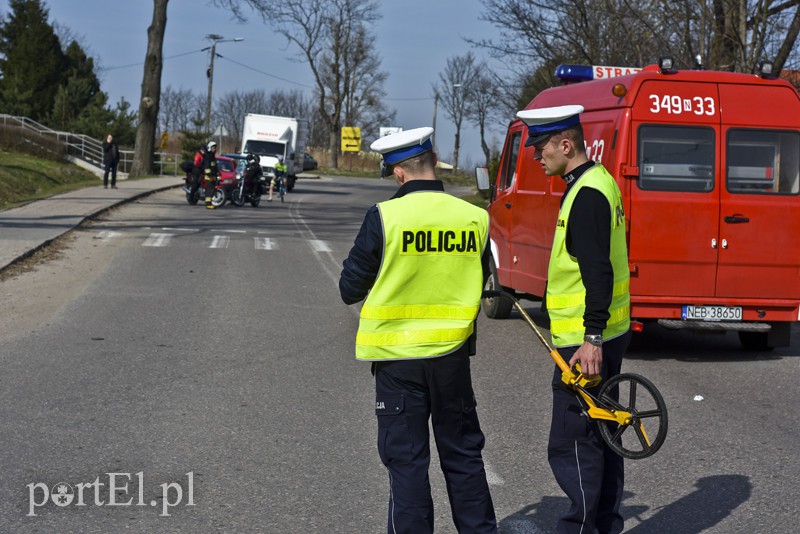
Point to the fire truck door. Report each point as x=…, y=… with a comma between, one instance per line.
x=674, y=208
x=759, y=253
x=502, y=206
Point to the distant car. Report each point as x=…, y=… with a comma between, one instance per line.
x=239, y=160
x=227, y=173
x=309, y=162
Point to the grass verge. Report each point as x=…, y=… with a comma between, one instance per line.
x=24, y=178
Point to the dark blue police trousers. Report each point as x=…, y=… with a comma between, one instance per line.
x=408, y=394
x=588, y=471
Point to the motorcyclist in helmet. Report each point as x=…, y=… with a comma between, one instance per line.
x=210, y=172
x=280, y=173
x=253, y=174
x=197, y=168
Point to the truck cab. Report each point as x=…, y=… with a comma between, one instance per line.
x=708, y=164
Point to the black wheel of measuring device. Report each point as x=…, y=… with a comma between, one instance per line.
x=647, y=429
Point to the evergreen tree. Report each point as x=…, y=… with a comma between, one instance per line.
x=32, y=63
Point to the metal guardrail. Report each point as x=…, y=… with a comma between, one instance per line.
x=90, y=150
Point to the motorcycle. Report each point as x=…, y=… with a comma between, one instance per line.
x=192, y=198
x=243, y=191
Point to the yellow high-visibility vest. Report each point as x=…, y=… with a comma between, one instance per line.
x=427, y=293
x=566, y=294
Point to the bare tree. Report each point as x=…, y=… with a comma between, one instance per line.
x=331, y=35
x=455, y=89
x=178, y=108
x=726, y=34
x=484, y=103
x=151, y=92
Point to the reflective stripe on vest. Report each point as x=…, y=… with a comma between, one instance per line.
x=566, y=294
x=427, y=294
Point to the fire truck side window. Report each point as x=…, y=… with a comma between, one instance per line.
x=763, y=162
x=512, y=154
x=676, y=158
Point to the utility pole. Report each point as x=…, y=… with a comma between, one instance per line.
x=210, y=72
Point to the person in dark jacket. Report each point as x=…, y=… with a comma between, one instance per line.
x=210, y=173
x=110, y=161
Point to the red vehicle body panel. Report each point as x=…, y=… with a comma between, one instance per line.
x=707, y=163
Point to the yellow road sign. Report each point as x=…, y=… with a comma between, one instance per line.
x=351, y=139
x=164, y=140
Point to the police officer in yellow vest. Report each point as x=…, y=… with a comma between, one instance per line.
x=589, y=306
x=421, y=260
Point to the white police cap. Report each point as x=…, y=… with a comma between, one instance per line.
x=400, y=146
x=544, y=122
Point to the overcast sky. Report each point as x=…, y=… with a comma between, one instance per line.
x=414, y=39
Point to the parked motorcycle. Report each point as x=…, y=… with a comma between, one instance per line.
x=243, y=192
x=219, y=193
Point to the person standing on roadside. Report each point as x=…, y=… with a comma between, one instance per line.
x=421, y=260
x=210, y=173
x=110, y=161
x=588, y=301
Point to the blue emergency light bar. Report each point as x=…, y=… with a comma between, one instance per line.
x=584, y=73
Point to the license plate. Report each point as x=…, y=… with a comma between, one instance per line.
x=712, y=313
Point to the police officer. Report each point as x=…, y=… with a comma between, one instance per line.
x=421, y=259
x=588, y=302
x=210, y=172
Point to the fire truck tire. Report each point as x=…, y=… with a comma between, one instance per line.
x=495, y=307
x=755, y=341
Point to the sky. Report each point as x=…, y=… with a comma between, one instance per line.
x=414, y=39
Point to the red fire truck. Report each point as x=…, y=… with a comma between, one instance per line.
x=709, y=168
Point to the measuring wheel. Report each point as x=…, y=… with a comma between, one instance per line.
x=647, y=429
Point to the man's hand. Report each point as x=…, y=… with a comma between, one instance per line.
x=590, y=357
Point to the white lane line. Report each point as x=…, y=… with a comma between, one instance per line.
x=491, y=477
x=265, y=243
x=157, y=240
x=320, y=246
x=220, y=241
x=232, y=231
x=180, y=229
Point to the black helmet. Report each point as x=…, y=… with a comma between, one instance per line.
x=251, y=157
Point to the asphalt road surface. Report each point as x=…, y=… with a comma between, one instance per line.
x=178, y=369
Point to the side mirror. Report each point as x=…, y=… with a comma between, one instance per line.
x=482, y=178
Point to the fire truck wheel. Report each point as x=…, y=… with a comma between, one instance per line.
x=754, y=341
x=495, y=307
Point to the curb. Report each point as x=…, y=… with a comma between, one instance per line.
x=91, y=216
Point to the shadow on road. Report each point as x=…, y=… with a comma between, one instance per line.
x=713, y=500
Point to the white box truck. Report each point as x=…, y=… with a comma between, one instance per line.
x=270, y=136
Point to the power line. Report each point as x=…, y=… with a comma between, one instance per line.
x=142, y=62
x=265, y=73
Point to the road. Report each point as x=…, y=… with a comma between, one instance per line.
x=201, y=363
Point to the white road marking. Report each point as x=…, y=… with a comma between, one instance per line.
x=105, y=235
x=220, y=241
x=320, y=246
x=180, y=229
x=265, y=243
x=232, y=231
x=157, y=240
